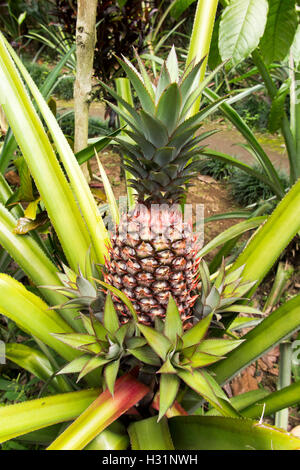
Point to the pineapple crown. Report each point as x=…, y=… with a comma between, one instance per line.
x=162, y=151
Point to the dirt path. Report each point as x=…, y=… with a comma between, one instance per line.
x=227, y=140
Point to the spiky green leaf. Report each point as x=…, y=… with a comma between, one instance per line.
x=79, y=341
x=76, y=365
x=110, y=374
x=110, y=318
x=172, y=65
x=169, y=106
x=168, y=389
x=157, y=341
x=138, y=84
x=195, y=334
x=145, y=354
x=94, y=363
x=173, y=323
x=155, y=131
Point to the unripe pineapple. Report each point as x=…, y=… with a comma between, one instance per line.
x=153, y=251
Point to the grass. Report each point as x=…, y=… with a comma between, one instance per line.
x=215, y=168
x=39, y=73
x=96, y=126
x=244, y=188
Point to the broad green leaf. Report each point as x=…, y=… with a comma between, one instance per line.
x=94, y=327
x=25, y=417
x=173, y=322
x=241, y=27
x=218, y=433
x=42, y=436
x=226, y=408
x=196, y=334
x=121, y=333
x=135, y=342
x=25, y=190
x=110, y=318
x=244, y=322
x=167, y=368
x=168, y=389
x=241, y=309
x=164, y=155
x=100, y=414
x=280, y=30
x=31, y=210
x=157, y=341
x=148, y=434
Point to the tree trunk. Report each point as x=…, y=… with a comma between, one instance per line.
x=85, y=44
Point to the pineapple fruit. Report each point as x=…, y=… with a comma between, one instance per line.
x=153, y=256
x=153, y=252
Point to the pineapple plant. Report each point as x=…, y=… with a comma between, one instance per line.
x=153, y=252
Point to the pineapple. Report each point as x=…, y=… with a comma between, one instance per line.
x=153, y=252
